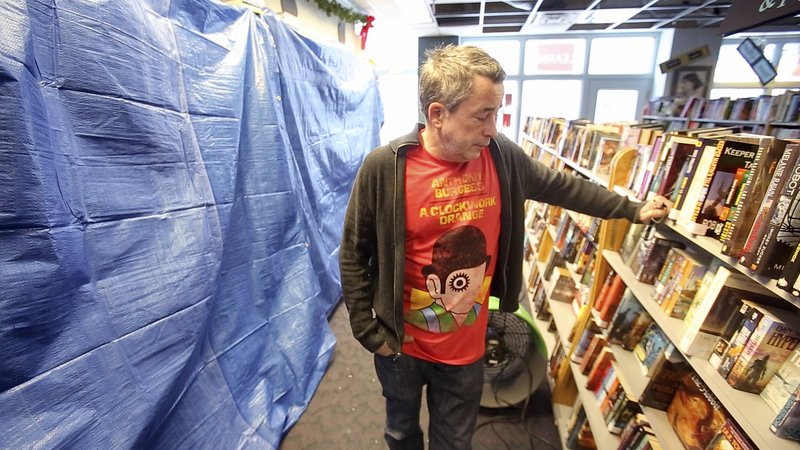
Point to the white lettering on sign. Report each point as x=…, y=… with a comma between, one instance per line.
x=767, y=4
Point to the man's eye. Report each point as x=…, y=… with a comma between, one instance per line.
x=459, y=282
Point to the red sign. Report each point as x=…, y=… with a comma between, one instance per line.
x=555, y=57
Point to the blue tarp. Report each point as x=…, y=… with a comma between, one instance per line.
x=173, y=177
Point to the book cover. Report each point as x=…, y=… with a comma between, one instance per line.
x=768, y=204
x=790, y=273
x=681, y=148
x=590, y=356
x=745, y=208
x=780, y=388
x=662, y=281
x=690, y=168
x=695, y=413
x=717, y=314
x=711, y=208
x=600, y=369
x=650, y=348
x=630, y=242
x=775, y=337
x=685, y=289
x=647, y=261
x=786, y=424
x=613, y=298
x=652, y=168
x=750, y=318
x=662, y=384
x=730, y=437
x=783, y=231
x=628, y=310
x=638, y=328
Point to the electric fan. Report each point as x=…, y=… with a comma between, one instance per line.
x=515, y=360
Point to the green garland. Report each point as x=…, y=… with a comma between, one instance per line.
x=346, y=14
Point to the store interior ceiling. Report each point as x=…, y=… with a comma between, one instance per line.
x=471, y=18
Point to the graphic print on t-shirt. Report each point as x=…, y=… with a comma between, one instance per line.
x=456, y=282
x=452, y=228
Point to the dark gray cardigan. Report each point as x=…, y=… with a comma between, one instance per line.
x=372, y=254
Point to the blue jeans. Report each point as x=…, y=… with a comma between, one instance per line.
x=453, y=396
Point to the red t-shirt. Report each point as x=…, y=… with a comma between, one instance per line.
x=452, y=232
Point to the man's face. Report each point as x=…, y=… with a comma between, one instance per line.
x=466, y=129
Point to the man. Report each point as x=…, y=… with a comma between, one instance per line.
x=453, y=179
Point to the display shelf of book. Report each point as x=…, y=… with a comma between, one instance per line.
x=634, y=382
x=603, y=181
x=542, y=325
x=714, y=248
x=603, y=438
x=751, y=413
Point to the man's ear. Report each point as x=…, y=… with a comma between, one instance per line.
x=434, y=285
x=436, y=112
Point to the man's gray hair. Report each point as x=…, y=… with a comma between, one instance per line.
x=447, y=74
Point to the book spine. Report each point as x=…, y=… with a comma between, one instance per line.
x=781, y=238
x=707, y=183
x=785, y=424
x=768, y=204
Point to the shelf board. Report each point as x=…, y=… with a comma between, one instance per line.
x=562, y=414
x=751, y=413
x=603, y=181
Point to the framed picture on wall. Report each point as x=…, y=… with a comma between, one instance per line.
x=691, y=81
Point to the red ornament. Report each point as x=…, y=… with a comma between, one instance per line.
x=365, y=30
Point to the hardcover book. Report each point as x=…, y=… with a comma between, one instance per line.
x=695, y=413
x=730, y=437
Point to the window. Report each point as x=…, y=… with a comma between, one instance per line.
x=505, y=52
x=551, y=98
x=554, y=56
x=789, y=63
x=616, y=105
x=607, y=59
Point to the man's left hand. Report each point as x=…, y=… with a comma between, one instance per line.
x=655, y=210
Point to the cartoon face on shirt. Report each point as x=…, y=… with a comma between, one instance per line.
x=455, y=280
x=459, y=290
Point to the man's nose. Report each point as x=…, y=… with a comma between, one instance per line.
x=491, y=129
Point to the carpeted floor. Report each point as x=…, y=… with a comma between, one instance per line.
x=347, y=410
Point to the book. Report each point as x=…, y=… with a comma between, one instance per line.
x=716, y=314
x=773, y=340
x=592, y=352
x=745, y=208
x=631, y=241
x=685, y=290
x=695, y=413
x=768, y=204
x=637, y=329
x=663, y=280
x=736, y=155
x=751, y=315
x=709, y=151
x=650, y=348
x=782, y=232
x=690, y=167
x=730, y=437
x=789, y=275
x=686, y=276
x=787, y=423
x=599, y=370
x=628, y=310
x=613, y=298
x=680, y=149
x=662, y=384
x=650, y=256
x=780, y=388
